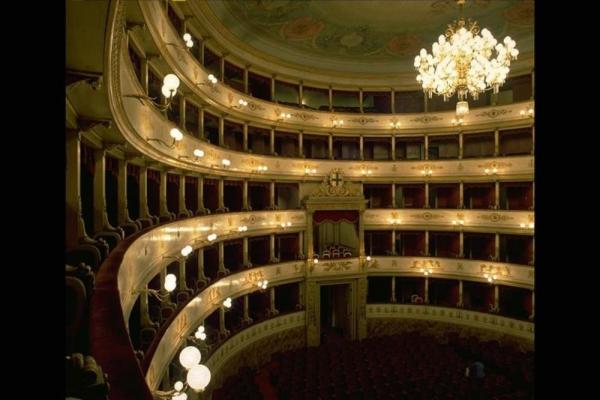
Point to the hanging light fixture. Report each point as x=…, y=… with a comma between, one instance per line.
x=465, y=62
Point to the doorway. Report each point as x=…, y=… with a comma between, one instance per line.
x=336, y=313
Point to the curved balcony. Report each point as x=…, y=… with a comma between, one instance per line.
x=224, y=98
x=138, y=122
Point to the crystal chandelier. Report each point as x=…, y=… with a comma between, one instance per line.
x=465, y=62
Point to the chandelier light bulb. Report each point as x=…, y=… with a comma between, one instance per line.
x=178, y=386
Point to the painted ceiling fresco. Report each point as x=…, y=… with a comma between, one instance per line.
x=363, y=36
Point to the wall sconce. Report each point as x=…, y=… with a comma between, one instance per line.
x=189, y=43
x=312, y=262
x=426, y=271
x=308, y=170
x=242, y=228
x=169, y=90
x=261, y=168
x=457, y=121
x=365, y=172
x=200, y=333
x=197, y=378
x=284, y=116
x=285, y=224
x=212, y=237
x=170, y=285
x=527, y=113
x=211, y=81
x=395, y=221
x=262, y=284
x=186, y=251
x=337, y=122
x=395, y=124
x=426, y=171
x=490, y=278
x=225, y=162
x=458, y=222
x=198, y=154
x=241, y=104
x=529, y=225
x=491, y=171
x=227, y=302
x=174, y=133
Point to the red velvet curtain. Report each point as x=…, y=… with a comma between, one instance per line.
x=334, y=216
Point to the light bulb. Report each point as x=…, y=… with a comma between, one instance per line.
x=198, y=153
x=189, y=357
x=187, y=37
x=227, y=302
x=186, y=250
x=201, y=329
x=198, y=377
x=211, y=237
x=368, y=258
x=171, y=81
x=170, y=285
x=189, y=44
x=178, y=386
x=176, y=134
x=226, y=162
x=168, y=93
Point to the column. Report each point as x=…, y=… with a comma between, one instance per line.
x=460, y=145
x=393, y=297
x=272, y=140
x=245, y=253
x=393, y=195
x=362, y=307
x=301, y=93
x=273, y=87
x=221, y=189
x=222, y=270
x=162, y=290
x=272, y=205
x=330, y=99
x=222, y=130
x=426, y=290
x=223, y=67
x=361, y=147
x=246, y=79
x=393, y=101
x=426, y=147
x=202, y=41
x=245, y=136
x=144, y=211
x=532, y=305
x=272, y=310
x=202, y=278
x=360, y=99
x=75, y=227
x=497, y=194
x=144, y=80
x=122, y=211
x=497, y=246
x=182, y=207
x=164, y=211
x=361, y=233
x=393, y=147
x=245, y=206
x=425, y=103
x=461, y=244
x=181, y=283
x=532, y=139
x=246, y=320
x=301, y=144
x=200, y=195
x=461, y=194
x=145, y=321
x=301, y=250
x=496, y=143
x=426, y=194
x=427, y=243
x=182, y=111
x=272, y=258
x=460, y=294
x=223, y=332
x=533, y=195
x=309, y=235
x=331, y=146
x=496, y=298
x=301, y=295
x=201, y=123
x=100, y=215
x=393, y=242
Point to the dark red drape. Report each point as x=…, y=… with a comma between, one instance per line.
x=334, y=216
